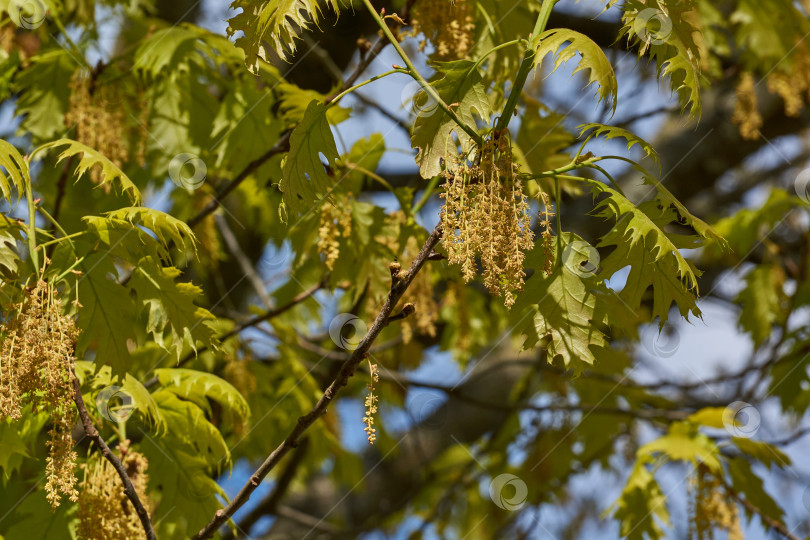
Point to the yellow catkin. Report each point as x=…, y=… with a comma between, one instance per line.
x=420, y=294
x=711, y=509
x=105, y=512
x=449, y=26
x=486, y=215
x=793, y=84
x=38, y=343
x=371, y=404
x=545, y=223
x=746, y=116
x=6, y=39
x=336, y=221
x=99, y=120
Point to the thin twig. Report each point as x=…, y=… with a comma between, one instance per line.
x=768, y=520
x=281, y=146
x=399, y=284
x=385, y=112
x=458, y=393
x=269, y=504
x=91, y=431
x=242, y=259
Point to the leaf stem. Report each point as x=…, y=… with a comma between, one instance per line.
x=574, y=164
x=609, y=177
x=525, y=66
x=68, y=270
x=413, y=72
x=557, y=197
x=31, y=225
x=60, y=239
x=426, y=194
x=59, y=228
x=494, y=49
x=351, y=89
x=77, y=51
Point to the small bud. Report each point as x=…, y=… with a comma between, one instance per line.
x=395, y=268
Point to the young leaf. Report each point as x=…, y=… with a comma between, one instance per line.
x=672, y=46
x=304, y=179
x=171, y=305
x=88, y=158
x=199, y=386
x=683, y=442
x=167, y=228
x=180, y=462
x=667, y=201
x=745, y=481
x=568, y=310
x=16, y=175
x=141, y=398
x=461, y=89
x=762, y=300
x=653, y=255
x=745, y=228
x=10, y=233
x=44, y=94
x=592, y=58
x=276, y=21
x=611, y=132
x=167, y=48
x=640, y=503
x=766, y=453
x=107, y=316
x=12, y=451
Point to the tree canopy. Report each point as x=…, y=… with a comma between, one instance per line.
x=410, y=268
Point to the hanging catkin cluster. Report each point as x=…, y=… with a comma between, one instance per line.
x=37, y=369
x=371, y=404
x=486, y=215
x=105, y=512
x=746, y=115
x=450, y=26
x=101, y=122
x=420, y=294
x=336, y=221
x=712, y=510
x=793, y=84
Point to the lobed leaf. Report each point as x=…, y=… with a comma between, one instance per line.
x=672, y=45
x=171, y=306
x=304, y=179
x=98, y=377
x=89, y=158
x=10, y=233
x=554, y=42
x=612, y=132
x=16, y=175
x=460, y=88
x=568, y=309
x=653, y=255
x=278, y=22
x=167, y=228
x=198, y=386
